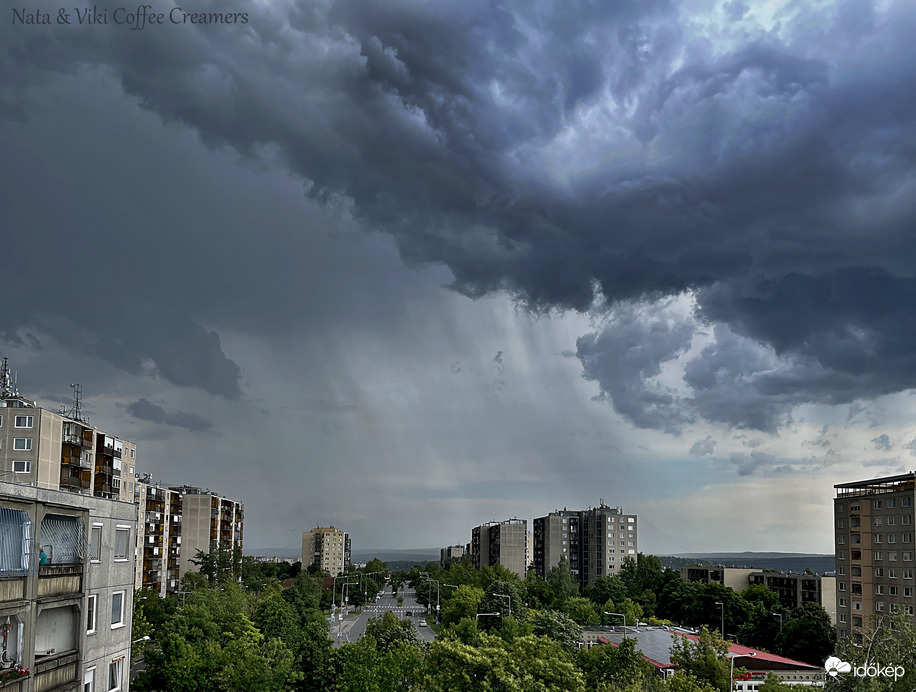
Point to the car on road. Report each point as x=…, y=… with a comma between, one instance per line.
x=423, y=623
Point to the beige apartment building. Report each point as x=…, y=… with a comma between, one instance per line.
x=873, y=526
x=327, y=548
x=595, y=541
x=501, y=543
x=61, y=451
x=176, y=522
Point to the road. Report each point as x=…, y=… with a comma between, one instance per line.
x=352, y=627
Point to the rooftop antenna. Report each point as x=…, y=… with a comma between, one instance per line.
x=75, y=411
x=5, y=386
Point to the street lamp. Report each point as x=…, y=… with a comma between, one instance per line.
x=624, y=617
x=499, y=595
x=731, y=672
x=722, y=606
x=779, y=615
x=477, y=617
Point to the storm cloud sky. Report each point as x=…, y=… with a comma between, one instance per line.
x=408, y=267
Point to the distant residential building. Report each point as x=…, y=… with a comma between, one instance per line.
x=873, y=526
x=326, y=548
x=793, y=590
x=733, y=577
x=66, y=588
x=654, y=643
x=500, y=543
x=595, y=541
x=174, y=523
x=61, y=451
x=449, y=553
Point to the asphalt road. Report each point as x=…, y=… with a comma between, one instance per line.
x=352, y=627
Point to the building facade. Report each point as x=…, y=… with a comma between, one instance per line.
x=66, y=589
x=873, y=527
x=177, y=521
x=501, y=543
x=61, y=451
x=595, y=541
x=450, y=553
x=327, y=548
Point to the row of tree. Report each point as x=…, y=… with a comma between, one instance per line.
x=262, y=636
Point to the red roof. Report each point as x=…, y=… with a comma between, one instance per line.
x=742, y=650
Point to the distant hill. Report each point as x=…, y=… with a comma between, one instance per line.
x=783, y=562
x=399, y=555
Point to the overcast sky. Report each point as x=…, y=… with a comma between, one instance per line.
x=408, y=267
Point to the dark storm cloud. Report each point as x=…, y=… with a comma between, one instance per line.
x=882, y=443
x=146, y=410
x=772, y=176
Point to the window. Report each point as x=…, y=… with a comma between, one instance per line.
x=891, y=573
x=842, y=603
x=906, y=520
x=841, y=570
x=122, y=538
x=892, y=538
x=907, y=591
x=117, y=609
x=114, y=674
x=841, y=539
x=95, y=543
x=892, y=521
x=907, y=538
x=907, y=556
x=22, y=444
x=856, y=622
x=891, y=503
x=891, y=590
x=90, y=614
x=24, y=421
x=856, y=538
x=879, y=607
x=22, y=467
x=841, y=555
x=842, y=617
x=856, y=589
x=856, y=571
x=840, y=523
x=842, y=586
x=854, y=507
x=89, y=680
x=879, y=571
x=907, y=574
x=877, y=538
x=892, y=556
x=879, y=589
x=904, y=502
x=876, y=504
x=879, y=521
x=857, y=605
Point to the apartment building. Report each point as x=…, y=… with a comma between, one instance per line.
x=501, y=543
x=66, y=590
x=793, y=589
x=209, y=521
x=327, y=548
x=450, y=553
x=61, y=451
x=873, y=526
x=595, y=541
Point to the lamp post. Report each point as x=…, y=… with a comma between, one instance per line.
x=624, y=617
x=731, y=672
x=722, y=606
x=477, y=617
x=499, y=595
x=779, y=615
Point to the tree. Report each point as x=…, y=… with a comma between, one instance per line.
x=808, y=636
x=613, y=666
x=463, y=603
x=891, y=641
x=559, y=627
x=526, y=663
x=389, y=630
x=582, y=611
x=704, y=658
x=561, y=584
x=774, y=684
x=606, y=588
x=503, y=597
